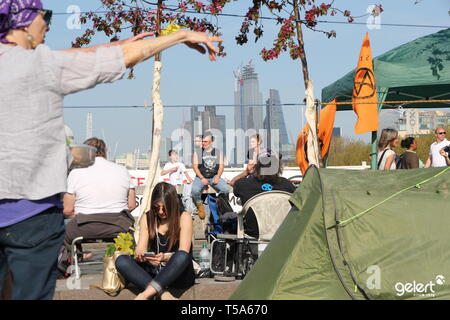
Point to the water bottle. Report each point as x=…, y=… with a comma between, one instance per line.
x=204, y=260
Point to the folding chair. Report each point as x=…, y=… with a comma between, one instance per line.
x=270, y=209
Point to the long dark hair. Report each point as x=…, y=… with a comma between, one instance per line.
x=167, y=194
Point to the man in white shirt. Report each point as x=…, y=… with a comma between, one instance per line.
x=435, y=159
x=99, y=198
x=174, y=170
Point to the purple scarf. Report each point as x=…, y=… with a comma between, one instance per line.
x=12, y=15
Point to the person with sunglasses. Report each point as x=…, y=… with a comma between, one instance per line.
x=435, y=158
x=34, y=161
x=162, y=264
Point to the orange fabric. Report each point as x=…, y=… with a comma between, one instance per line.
x=326, y=125
x=325, y=129
x=300, y=154
x=364, y=90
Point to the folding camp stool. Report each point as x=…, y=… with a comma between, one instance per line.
x=74, y=265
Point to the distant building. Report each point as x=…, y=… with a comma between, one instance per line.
x=416, y=122
x=248, y=102
x=274, y=123
x=337, y=132
x=133, y=160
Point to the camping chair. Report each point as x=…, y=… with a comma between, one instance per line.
x=270, y=209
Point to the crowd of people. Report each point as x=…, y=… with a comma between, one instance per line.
x=33, y=175
x=43, y=208
x=438, y=155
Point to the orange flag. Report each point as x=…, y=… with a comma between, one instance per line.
x=325, y=129
x=364, y=90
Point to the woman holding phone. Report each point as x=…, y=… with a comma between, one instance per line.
x=163, y=257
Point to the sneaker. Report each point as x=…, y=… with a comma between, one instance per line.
x=200, y=210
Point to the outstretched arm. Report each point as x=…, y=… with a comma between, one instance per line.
x=110, y=44
x=138, y=51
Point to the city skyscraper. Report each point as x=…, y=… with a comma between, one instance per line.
x=248, y=99
x=248, y=109
x=275, y=121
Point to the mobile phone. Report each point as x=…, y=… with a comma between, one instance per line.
x=149, y=254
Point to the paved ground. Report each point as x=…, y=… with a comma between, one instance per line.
x=91, y=276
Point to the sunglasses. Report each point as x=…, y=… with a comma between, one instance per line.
x=442, y=132
x=157, y=208
x=47, y=14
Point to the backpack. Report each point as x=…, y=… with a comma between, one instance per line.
x=399, y=162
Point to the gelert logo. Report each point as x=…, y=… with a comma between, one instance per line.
x=427, y=289
x=365, y=88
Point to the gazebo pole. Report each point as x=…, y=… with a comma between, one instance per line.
x=381, y=96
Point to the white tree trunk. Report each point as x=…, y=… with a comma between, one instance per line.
x=154, y=169
x=311, y=118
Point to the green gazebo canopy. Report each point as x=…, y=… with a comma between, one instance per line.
x=417, y=70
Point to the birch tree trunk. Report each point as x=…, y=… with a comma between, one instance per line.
x=154, y=168
x=313, y=154
x=157, y=127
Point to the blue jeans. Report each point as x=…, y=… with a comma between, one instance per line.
x=178, y=273
x=197, y=188
x=29, y=249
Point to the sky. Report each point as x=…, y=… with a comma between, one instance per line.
x=189, y=78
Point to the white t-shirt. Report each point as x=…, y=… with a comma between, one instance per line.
x=174, y=178
x=100, y=188
x=388, y=153
x=436, y=159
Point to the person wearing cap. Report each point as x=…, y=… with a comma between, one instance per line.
x=33, y=82
x=267, y=177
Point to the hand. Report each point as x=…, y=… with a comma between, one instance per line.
x=443, y=153
x=174, y=169
x=139, y=253
x=216, y=180
x=69, y=215
x=189, y=181
x=205, y=181
x=156, y=259
x=194, y=39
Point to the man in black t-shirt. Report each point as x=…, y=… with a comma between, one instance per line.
x=267, y=178
x=208, y=166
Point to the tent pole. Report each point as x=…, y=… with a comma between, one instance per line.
x=374, y=151
x=381, y=95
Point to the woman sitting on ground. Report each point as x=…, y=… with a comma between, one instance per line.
x=386, y=156
x=410, y=159
x=166, y=230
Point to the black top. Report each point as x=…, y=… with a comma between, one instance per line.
x=246, y=188
x=187, y=277
x=208, y=162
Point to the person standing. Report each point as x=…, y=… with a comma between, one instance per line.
x=33, y=173
x=410, y=159
x=445, y=153
x=174, y=170
x=208, y=166
x=386, y=156
x=435, y=159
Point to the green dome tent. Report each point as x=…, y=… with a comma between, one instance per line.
x=359, y=235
